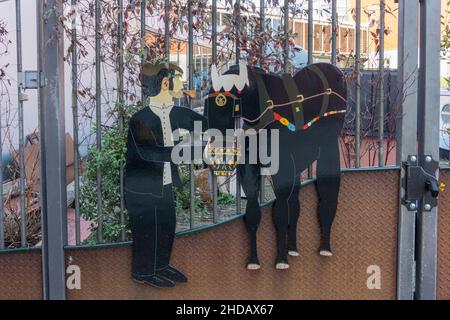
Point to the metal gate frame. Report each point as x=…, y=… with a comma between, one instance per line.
x=52, y=148
x=418, y=136
x=417, y=230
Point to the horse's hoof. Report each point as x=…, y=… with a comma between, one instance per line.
x=293, y=253
x=253, y=266
x=282, y=265
x=326, y=253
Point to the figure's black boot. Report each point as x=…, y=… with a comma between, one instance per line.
x=155, y=280
x=172, y=274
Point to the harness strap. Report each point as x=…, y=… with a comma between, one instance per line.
x=293, y=94
x=263, y=99
x=228, y=94
x=326, y=98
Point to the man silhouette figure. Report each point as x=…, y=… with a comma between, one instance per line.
x=150, y=174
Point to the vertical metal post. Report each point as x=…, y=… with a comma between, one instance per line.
x=52, y=147
x=166, y=31
x=191, y=87
x=214, y=61
x=286, y=36
x=42, y=165
x=310, y=49
x=310, y=31
x=408, y=30
x=23, y=226
x=98, y=114
x=358, y=86
x=238, y=30
x=262, y=27
x=381, y=97
x=75, y=124
x=429, y=82
x=120, y=100
x=334, y=29
x=214, y=31
x=214, y=196
x=143, y=45
x=237, y=124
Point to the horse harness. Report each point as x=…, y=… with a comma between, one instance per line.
x=267, y=106
x=268, y=115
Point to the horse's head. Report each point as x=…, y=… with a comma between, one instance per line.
x=229, y=96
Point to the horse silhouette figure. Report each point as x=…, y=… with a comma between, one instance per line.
x=308, y=109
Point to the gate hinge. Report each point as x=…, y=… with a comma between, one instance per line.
x=32, y=79
x=420, y=183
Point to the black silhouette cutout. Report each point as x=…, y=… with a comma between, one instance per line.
x=150, y=174
x=309, y=110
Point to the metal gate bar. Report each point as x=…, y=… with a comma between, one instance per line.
x=286, y=35
x=98, y=114
x=143, y=45
x=75, y=126
x=310, y=51
x=52, y=142
x=238, y=120
x=121, y=102
x=358, y=85
x=262, y=27
x=381, y=96
x=334, y=26
x=310, y=31
x=191, y=87
x=408, y=30
x=23, y=226
x=213, y=61
x=428, y=137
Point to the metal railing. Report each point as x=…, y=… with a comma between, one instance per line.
x=51, y=106
x=120, y=99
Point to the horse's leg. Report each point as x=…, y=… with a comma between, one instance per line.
x=284, y=185
x=328, y=183
x=250, y=181
x=294, y=213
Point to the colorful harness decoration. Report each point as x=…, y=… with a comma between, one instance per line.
x=292, y=128
x=223, y=161
x=221, y=101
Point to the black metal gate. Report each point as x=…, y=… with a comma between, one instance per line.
x=417, y=132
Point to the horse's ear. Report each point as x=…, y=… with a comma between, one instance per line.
x=215, y=77
x=243, y=72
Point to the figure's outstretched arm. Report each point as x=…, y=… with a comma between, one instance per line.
x=188, y=118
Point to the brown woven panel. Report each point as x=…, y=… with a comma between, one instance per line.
x=20, y=275
x=364, y=234
x=443, y=263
